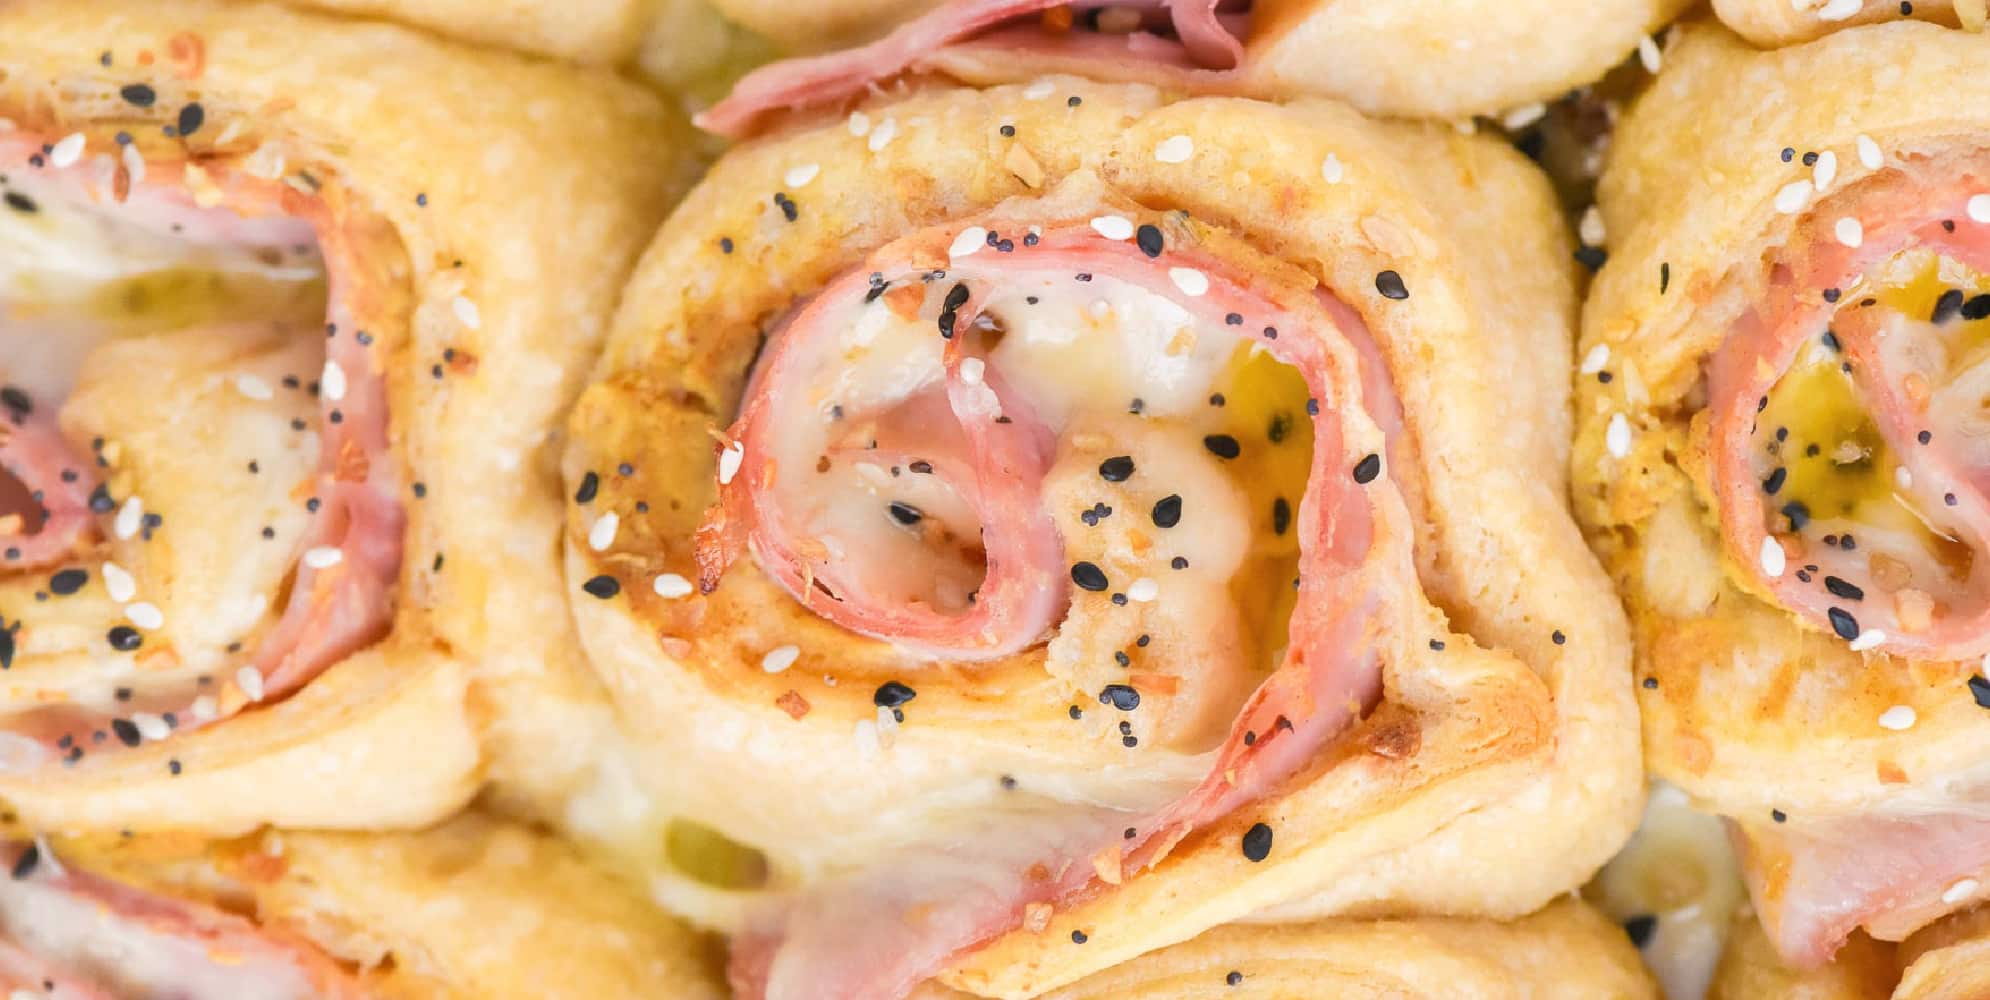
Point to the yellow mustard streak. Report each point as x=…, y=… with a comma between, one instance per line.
x=175, y=298
x=708, y=856
x=1265, y=410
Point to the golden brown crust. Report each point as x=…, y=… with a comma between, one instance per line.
x=1510, y=727
x=1771, y=23
x=474, y=908
x=1567, y=950
x=536, y=185
x=597, y=32
x=1864, y=969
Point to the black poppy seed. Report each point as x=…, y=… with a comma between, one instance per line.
x=1924, y=437
x=1119, y=656
x=1076, y=712
x=127, y=732
x=947, y=325
x=1136, y=406
x=1948, y=225
x=1390, y=284
x=24, y=865
x=1906, y=8
x=193, y=115
x=1843, y=623
x=1078, y=937
x=1979, y=689
x=1832, y=295
x=1074, y=101
x=1148, y=237
x=1119, y=600
x=603, y=586
x=1083, y=276
x=1233, y=978
x=922, y=467
x=1120, y=696
x=68, y=581
x=1651, y=683
x=1977, y=307
x=1844, y=589
x=1367, y=469
x=20, y=202
x=1030, y=240
x=725, y=244
x=1810, y=159
x=1640, y=928
x=17, y=400
x=1089, y=576
x=1008, y=131
x=1591, y=258
x=1234, y=319
x=956, y=297
x=1222, y=445
x=124, y=638
x=1281, y=424
x=1179, y=562
x=1830, y=339
x=1798, y=514
x=6, y=649
x=590, y=485
x=1949, y=499
x=1789, y=154
x=1117, y=469
x=1217, y=399
x=893, y=695
x=1168, y=511
x=1664, y=276
x=1778, y=815
x=1775, y=481
x=1437, y=645
x=1947, y=307
x=1257, y=842
x=138, y=94
x=1281, y=516
x=1558, y=637
x=173, y=765
x=1270, y=333
x=904, y=513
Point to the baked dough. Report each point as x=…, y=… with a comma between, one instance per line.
x=1518, y=732
x=480, y=211
x=1771, y=23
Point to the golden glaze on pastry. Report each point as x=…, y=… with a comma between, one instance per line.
x=476, y=213
x=1771, y=23
x=1567, y=951
x=1422, y=58
x=764, y=725
x=474, y=908
x=1769, y=414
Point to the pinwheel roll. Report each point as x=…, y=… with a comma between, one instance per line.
x=1780, y=454
x=1780, y=22
x=1024, y=529
x=1567, y=950
x=1437, y=58
x=472, y=909
x=279, y=361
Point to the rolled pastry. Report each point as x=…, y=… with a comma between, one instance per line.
x=1779, y=454
x=1770, y=23
x=280, y=358
x=1434, y=58
x=1567, y=950
x=1144, y=526
x=473, y=909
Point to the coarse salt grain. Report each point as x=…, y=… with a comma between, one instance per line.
x=602, y=534
x=1113, y=227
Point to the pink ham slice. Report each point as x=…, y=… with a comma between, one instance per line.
x=1884, y=873
x=33, y=451
x=334, y=609
x=984, y=32
x=855, y=939
x=208, y=941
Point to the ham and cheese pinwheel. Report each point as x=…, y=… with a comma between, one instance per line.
x=1025, y=527
x=1435, y=58
x=1948, y=960
x=473, y=909
x=277, y=360
x=1781, y=456
x=1770, y=23
x=1565, y=952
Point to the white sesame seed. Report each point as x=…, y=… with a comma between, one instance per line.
x=971, y=370
x=254, y=387
x=888, y=720
x=1523, y=116
x=1648, y=54
x=1332, y=170
x=323, y=557
x=1978, y=208
x=134, y=164
x=1961, y=890
x=729, y=461
x=1897, y=718
x=1590, y=229
x=1793, y=197
x=66, y=151
x=251, y=682
x=971, y=239
x=859, y=124
x=1774, y=559
x=128, y=518
x=331, y=382
x=1617, y=437
x=1175, y=149
x=671, y=586
x=1824, y=171
x=780, y=658
x=205, y=708
x=1903, y=478
x=1143, y=589
x=150, y=726
x=119, y=583
x=1868, y=639
x=466, y=312
x=1597, y=357
x=1113, y=227
x=797, y=177
x=602, y=534
x=1849, y=232
x=1039, y=90
x=1191, y=281
x=1839, y=10
x=1869, y=154
x=881, y=136
x=145, y=615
